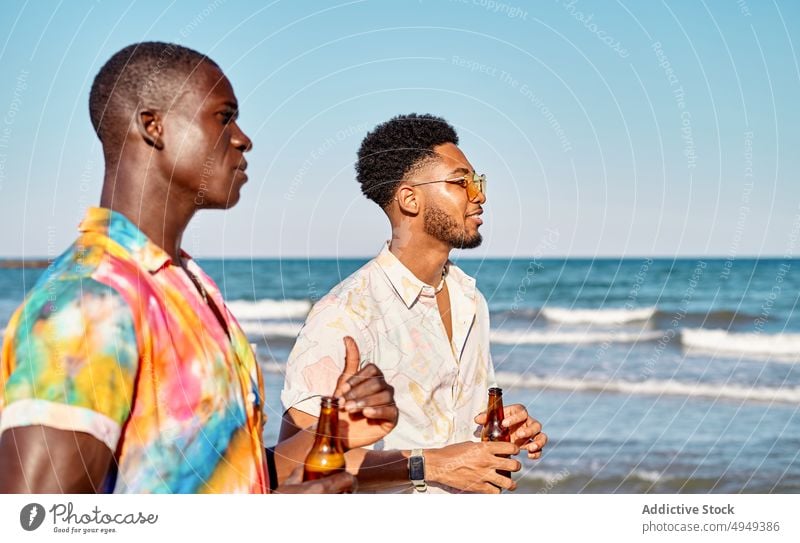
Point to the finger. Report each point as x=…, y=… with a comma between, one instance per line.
x=480, y=418
x=338, y=484
x=487, y=488
x=527, y=430
x=351, y=360
x=366, y=389
x=515, y=417
x=500, y=481
x=368, y=373
x=352, y=357
x=387, y=413
x=537, y=443
x=500, y=447
x=385, y=397
x=506, y=464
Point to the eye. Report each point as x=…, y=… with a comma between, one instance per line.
x=228, y=116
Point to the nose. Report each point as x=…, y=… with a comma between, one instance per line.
x=481, y=198
x=240, y=140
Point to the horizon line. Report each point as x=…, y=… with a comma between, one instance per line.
x=492, y=257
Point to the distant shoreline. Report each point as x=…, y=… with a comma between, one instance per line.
x=33, y=263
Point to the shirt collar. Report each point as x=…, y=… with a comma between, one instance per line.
x=409, y=287
x=122, y=231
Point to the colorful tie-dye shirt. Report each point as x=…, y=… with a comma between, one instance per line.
x=116, y=341
x=439, y=385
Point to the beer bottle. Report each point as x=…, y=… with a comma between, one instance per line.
x=494, y=430
x=326, y=456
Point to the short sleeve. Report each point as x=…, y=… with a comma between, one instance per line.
x=70, y=360
x=317, y=359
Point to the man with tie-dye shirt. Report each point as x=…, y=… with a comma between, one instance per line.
x=123, y=370
x=420, y=319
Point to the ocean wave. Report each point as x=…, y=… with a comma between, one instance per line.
x=553, y=478
x=269, y=309
x=273, y=367
x=597, y=316
x=271, y=329
x=781, y=345
x=528, y=337
x=720, y=317
x=525, y=314
x=653, y=388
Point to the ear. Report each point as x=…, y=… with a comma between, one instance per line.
x=150, y=128
x=407, y=199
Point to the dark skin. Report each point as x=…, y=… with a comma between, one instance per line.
x=172, y=164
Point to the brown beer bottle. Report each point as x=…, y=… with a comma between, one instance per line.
x=494, y=430
x=326, y=456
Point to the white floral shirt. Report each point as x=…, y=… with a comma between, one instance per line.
x=439, y=385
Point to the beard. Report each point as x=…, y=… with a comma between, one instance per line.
x=445, y=228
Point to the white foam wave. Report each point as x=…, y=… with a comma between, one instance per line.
x=645, y=475
x=597, y=316
x=271, y=329
x=781, y=345
x=653, y=388
x=520, y=337
x=274, y=367
x=536, y=474
x=269, y=309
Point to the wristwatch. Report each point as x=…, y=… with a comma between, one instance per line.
x=416, y=470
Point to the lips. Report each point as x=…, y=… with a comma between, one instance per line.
x=476, y=215
x=241, y=167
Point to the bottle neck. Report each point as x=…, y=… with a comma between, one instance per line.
x=328, y=428
x=494, y=410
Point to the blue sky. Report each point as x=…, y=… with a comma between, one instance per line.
x=605, y=129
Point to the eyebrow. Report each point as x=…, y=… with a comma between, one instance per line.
x=459, y=170
x=232, y=107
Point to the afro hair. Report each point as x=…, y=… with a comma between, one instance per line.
x=394, y=149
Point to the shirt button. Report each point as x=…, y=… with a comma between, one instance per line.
x=251, y=397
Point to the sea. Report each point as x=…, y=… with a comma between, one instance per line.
x=648, y=375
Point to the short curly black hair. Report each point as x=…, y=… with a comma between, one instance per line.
x=395, y=148
x=146, y=73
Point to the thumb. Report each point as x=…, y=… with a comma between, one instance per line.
x=352, y=358
x=480, y=418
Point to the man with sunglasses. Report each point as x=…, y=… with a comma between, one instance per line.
x=419, y=318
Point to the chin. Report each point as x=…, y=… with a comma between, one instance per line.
x=470, y=242
x=232, y=201
x=220, y=204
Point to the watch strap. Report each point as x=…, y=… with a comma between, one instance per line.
x=416, y=470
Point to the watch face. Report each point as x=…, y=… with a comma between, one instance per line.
x=416, y=468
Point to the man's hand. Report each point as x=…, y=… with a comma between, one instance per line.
x=341, y=483
x=366, y=401
x=472, y=467
x=526, y=432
